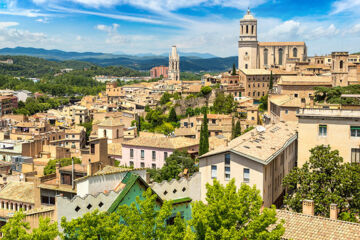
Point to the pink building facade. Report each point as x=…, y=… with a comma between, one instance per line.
x=148, y=157
x=159, y=71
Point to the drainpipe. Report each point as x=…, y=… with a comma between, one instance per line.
x=72, y=174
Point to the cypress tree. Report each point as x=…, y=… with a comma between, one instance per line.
x=237, y=129
x=204, y=136
x=232, y=128
x=138, y=124
x=233, y=70
x=271, y=81
x=172, y=116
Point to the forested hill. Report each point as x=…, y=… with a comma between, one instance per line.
x=25, y=66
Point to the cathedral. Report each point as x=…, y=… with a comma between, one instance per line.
x=265, y=55
x=174, y=65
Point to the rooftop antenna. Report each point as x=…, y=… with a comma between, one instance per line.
x=248, y=11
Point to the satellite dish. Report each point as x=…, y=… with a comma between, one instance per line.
x=260, y=129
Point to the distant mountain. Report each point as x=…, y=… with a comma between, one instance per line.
x=189, y=61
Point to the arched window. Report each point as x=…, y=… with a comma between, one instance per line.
x=341, y=64
x=246, y=53
x=246, y=66
x=266, y=52
x=242, y=29
x=252, y=29
x=280, y=56
x=294, y=52
x=247, y=28
x=117, y=133
x=104, y=132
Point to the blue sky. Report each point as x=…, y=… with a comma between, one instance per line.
x=152, y=26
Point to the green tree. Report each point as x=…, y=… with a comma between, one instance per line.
x=271, y=81
x=51, y=165
x=224, y=104
x=17, y=228
x=88, y=128
x=233, y=128
x=263, y=103
x=175, y=164
x=147, y=220
x=165, y=98
x=325, y=180
x=172, y=116
x=204, y=136
x=233, y=70
x=95, y=225
x=205, y=92
x=231, y=214
x=237, y=129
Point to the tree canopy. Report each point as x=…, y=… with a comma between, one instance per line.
x=234, y=214
x=175, y=164
x=51, y=165
x=325, y=179
x=223, y=104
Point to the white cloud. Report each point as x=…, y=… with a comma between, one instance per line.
x=42, y=20
x=106, y=28
x=346, y=6
x=8, y=24
x=162, y=5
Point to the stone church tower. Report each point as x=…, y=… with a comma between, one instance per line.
x=339, y=68
x=174, y=65
x=248, y=43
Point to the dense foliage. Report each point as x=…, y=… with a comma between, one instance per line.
x=333, y=95
x=235, y=129
x=233, y=214
x=325, y=179
x=88, y=128
x=223, y=104
x=51, y=165
x=17, y=228
x=174, y=165
x=41, y=104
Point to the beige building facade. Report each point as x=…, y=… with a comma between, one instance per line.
x=255, y=81
x=339, y=128
x=259, y=157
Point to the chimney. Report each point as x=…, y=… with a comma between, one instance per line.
x=308, y=207
x=89, y=168
x=333, y=211
x=303, y=103
x=311, y=101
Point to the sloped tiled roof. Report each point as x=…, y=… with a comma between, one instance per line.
x=260, y=146
x=18, y=191
x=300, y=226
x=162, y=142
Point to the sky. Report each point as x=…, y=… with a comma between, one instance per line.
x=153, y=26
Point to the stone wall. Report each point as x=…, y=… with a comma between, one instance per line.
x=176, y=189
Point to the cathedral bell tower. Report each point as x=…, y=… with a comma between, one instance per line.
x=248, y=44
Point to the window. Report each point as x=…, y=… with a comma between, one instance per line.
x=246, y=66
x=142, y=154
x=153, y=166
x=131, y=153
x=153, y=155
x=104, y=133
x=280, y=56
x=131, y=163
x=266, y=56
x=227, y=173
x=295, y=52
x=296, y=95
x=322, y=130
x=92, y=148
x=286, y=111
x=142, y=165
x=341, y=64
x=165, y=155
x=355, y=155
x=246, y=175
x=227, y=159
x=247, y=29
x=213, y=171
x=355, y=131
x=213, y=121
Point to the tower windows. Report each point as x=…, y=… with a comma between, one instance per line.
x=294, y=52
x=280, y=56
x=266, y=52
x=247, y=29
x=246, y=66
x=341, y=64
x=252, y=29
